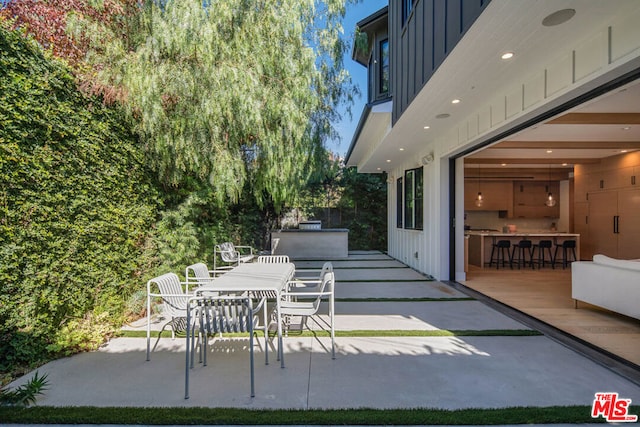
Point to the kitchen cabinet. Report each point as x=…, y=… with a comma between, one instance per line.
x=529, y=199
x=614, y=223
x=607, y=206
x=581, y=227
x=498, y=196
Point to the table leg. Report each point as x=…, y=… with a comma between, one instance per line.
x=280, y=349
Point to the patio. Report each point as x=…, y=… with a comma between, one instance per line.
x=388, y=356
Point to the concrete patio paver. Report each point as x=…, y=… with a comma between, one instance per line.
x=376, y=372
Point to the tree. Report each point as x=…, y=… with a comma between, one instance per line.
x=231, y=92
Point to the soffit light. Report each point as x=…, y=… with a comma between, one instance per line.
x=507, y=55
x=455, y=101
x=427, y=127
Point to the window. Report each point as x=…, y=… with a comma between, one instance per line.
x=413, y=195
x=399, y=200
x=383, y=88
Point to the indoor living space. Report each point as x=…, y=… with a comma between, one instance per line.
x=545, y=294
x=587, y=160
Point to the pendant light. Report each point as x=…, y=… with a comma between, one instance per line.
x=550, y=201
x=479, y=199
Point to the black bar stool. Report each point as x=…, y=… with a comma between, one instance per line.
x=541, y=246
x=521, y=248
x=566, y=245
x=501, y=246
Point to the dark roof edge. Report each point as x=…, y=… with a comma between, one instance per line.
x=369, y=20
x=373, y=17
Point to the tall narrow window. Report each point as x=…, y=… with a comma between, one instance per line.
x=384, y=68
x=413, y=199
x=399, y=200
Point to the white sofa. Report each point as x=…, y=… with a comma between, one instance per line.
x=610, y=283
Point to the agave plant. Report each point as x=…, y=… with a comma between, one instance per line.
x=25, y=395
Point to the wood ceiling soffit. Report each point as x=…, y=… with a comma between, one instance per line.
x=597, y=119
x=510, y=162
x=573, y=145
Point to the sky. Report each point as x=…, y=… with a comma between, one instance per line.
x=347, y=126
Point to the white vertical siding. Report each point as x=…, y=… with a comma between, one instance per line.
x=607, y=52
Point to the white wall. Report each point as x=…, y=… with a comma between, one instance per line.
x=608, y=52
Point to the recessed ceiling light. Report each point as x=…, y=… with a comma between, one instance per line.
x=455, y=101
x=401, y=149
x=623, y=151
x=427, y=127
x=564, y=164
x=443, y=116
x=507, y=55
x=626, y=128
x=549, y=151
x=558, y=17
x=388, y=160
x=504, y=164
x=379, y=169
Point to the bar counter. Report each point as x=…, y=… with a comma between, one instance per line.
x=480, y=243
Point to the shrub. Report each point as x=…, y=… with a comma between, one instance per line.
x=76, y=207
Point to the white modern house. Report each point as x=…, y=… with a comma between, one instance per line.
x=514, y=97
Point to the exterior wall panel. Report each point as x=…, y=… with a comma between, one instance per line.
x=625, y=34
x=424, y=41
x=559, y=74
x=590, y=56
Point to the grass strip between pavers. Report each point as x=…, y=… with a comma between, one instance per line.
x=240, y=416
x=370, y=333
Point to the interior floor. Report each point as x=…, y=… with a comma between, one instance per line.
x=546, y=295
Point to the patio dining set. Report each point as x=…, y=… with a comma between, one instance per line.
x=229, y=299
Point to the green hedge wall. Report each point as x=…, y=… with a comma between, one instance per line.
x=76, y=210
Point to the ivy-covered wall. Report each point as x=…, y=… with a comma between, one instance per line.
x=76, y=209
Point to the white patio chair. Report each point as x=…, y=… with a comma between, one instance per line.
x=174, y=304
x=231, y=255
x=212, y=315
x=299, y=304
x=310, y=279
x=198, y=274
x=273, y=259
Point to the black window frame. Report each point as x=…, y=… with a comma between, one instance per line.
x=413, y=199
x=399, y=203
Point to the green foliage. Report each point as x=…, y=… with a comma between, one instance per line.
x=343, y=198
x=364, y=209
x=235, y=95
x=75, y=209
x=359, y=416
x=25, y=395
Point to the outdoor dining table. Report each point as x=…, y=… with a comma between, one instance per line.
x=257, y=279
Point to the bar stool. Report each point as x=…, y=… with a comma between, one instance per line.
x=566, y=245
x=501, y=246
x=541, y=246
x=520, y=249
